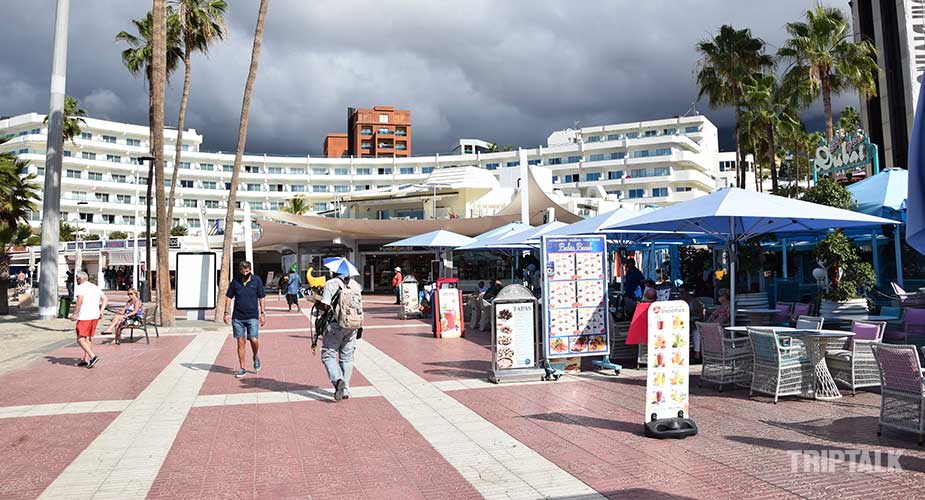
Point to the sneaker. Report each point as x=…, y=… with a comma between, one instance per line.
x=82, y=362
x=256, y=364
x=240, y=373
x=92, y=362
x=339, y=390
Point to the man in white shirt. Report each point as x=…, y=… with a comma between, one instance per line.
x=90, y=304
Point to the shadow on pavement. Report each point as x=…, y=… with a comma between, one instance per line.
x=908, y=463
x=205, y=367
x=585, y=421
x=55, y=360
x=631, y=494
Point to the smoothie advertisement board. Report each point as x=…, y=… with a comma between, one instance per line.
x=515, y=339
x=669, y=342
x=449, y=320
x=576, y=322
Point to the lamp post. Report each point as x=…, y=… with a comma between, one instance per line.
x=146, y=290
x=78, y=255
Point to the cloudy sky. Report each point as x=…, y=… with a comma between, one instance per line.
x=508, y=71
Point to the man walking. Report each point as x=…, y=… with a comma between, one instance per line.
x=396, y=284
x=292, y=289
x=90, y=304
x=249, y=313
x=344, y=296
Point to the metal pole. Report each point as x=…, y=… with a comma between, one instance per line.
x=783, y=249
x=146, y=293
x=51, y=198
x=135, y=230
x=732, y=272
x=248, y=237
x=899, y=256
x=875, y=255
x=78, y=255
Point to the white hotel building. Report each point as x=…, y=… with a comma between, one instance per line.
x=652, y=163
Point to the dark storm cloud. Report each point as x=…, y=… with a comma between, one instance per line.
x=508, y=71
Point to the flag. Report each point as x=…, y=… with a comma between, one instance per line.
x=915, y=206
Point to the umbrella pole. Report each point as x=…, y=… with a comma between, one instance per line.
x=899, y=256
x=732, y=272
x=876, y=256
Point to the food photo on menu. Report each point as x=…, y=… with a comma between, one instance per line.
x=590, y=293
x=562, y=294
x=589, y=266
x=563, y=266
x=558, y=345
x=579, y=344
x=591, y=321
x=562, y=322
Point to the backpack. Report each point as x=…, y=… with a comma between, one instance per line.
x=348, y=306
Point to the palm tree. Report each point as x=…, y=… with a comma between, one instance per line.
x=201, y=22
x=73, y=117
x=824, y=52
x=727, y=61
x=296, y=205
x=495, y=148
x=225, y=274
x=772, y=108
x=849, y=120
x=18, y=194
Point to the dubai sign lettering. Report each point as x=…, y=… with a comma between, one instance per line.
x=845, y=153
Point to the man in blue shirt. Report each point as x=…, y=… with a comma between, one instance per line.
x=292, y=289
x=249, y=313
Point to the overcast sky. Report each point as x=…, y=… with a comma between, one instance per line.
x=508, y=71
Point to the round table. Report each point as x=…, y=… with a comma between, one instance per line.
x=743, y=330
x=815, y=341
x=759, y=314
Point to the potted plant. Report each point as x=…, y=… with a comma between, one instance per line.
x=849, y=279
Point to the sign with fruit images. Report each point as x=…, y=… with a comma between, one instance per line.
x=668, y=369
x=576, y=321
x=449, y=313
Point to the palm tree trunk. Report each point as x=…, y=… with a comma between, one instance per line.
x=181, y=120
x=225, y=274
x=827, y=105
x=4, y=282
x=158, y=81
x=772, y=154
x=740, y=165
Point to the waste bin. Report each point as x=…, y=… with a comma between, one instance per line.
x=64, y=305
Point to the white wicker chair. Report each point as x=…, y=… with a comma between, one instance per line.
x=854, y=365
x=724, y=360
x=902, y=394
x=778, y=370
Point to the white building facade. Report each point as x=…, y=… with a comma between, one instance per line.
x=104, y=185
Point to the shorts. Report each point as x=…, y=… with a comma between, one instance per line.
x=86, y=327
x=292, y=299
x=245, y=328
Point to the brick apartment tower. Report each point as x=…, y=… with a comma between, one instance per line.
x=380, y=132
x=335, y=145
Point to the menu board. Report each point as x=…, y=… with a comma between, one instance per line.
x=514, y=335
x=409, y=298
x=667, y=385
x=575, y=296
x=449, y=313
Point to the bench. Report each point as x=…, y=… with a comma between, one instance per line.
x=148, y=318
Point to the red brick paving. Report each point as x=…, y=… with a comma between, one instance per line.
x=36, y=449
x=122, y=372
x=359, y=448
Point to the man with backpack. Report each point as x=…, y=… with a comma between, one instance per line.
x=343, y=300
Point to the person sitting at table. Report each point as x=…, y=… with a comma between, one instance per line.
x=133, y=309
x=719, y=315
x=482, y=288
x=491, y=292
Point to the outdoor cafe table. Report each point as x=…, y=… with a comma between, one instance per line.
x=759, y=315
x=742, y=331
x=816, y=343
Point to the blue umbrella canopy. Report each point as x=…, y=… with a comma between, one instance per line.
x=594, y=225
x=438, y=240
x=483, y=242
x=340, y=265
x=884, y=194
x=504, y=230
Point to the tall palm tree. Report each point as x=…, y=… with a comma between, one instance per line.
x=824, y=52
x=727, y=60
x=73, y=117
x=849, y=120
x=225, y=274
x=772, y=108
x=201, y=22
x=18, y=195
x=296, y=205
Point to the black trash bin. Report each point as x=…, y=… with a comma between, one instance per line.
x=64, y=305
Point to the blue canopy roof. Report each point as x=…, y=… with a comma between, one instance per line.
x=503, y=230
x=883, y=195
x=489, y=242
x=437, y=240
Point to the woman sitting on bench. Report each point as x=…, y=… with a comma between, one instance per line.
x=133, y=311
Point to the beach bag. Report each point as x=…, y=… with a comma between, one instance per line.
x=348, y=314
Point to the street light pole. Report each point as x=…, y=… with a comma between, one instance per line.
x=51, y=197
x=146, y=290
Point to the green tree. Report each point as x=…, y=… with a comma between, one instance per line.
x=726, y=61
x=18, y=195
x=849, y=277
x=180, y=230
x=771, y=108
x=849, y=120
x=117, y=235
x=68, y=231
x=201, y=23
x=296, y=205
x=73, y=117
x=225, y=275
x=830, y=193
x=824, y=53
x=496, y=148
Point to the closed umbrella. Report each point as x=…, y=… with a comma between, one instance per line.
x=915, y=213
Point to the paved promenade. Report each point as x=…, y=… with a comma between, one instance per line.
x=169, y=420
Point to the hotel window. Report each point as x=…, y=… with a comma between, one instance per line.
x=114, y=158
x=692, y=130
x=320, y=206
x=253, y=187
x=385, y=171
x=118, y=177
x=574, y=159
x=73, y=174
x=95, y=176
x=534, y=162
x=614, y=137
x=128, y=220
x=636, y=193
x=86, y=155
x=276, y=188
x=110, y=139
x=124, y=199
x=108, y=218
x=187, y=184
x=570, y=178
x=319, y=171
x=382, y=186
x=297, y=188
x=401, y=146
x=554, y=161
x=364, y=171
x=217, y=223
x=208, y=185
x=662, y=151
x=659, y=171
x=555, y=179
x=632, y=135
x=68, y=154
x=297, y=171
x=256, y=205
x=619, y=155
x=35, y=131
x=383, y=118
x=597, y=157
x=86, y=135
x=320, y=188
x=650, y=133
x=670, y=131
x=616, y=193
x=427, y=170
x=85, y=217
x=491, y=166
x=615, y=174
x=133, y=142
x=274, y=170
x=79, y=195
x=401, y=132
x=512, y=163
x=277, y=205
x=251, y=169
x=682, y=189
x=184, y=164
x=593, y=176
x=639, y=172
x=593, y=138
x=211, y=203
x=141, y=180
x=184, y=147
x=227, y=168
x=341, y=171
x=406, y=170
x=384, y=131
x=341, y=189
x=143, y=200
x=206, y=166
x=640, y=154
x=366, y=131
x=227, y=186
x=102, y=197
x=40, y=171
x=23, y=151
x=658, y=192
x=192, y=223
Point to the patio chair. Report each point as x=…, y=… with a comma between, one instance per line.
x=908, y=299
x=902, y=394
x=855, y=365
x=778, y=370
x=809, y=322
x=724, y=360
x=148, y=318
x=800, y=309
x=782, y=318
x=895, y=333
x=914, y=327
